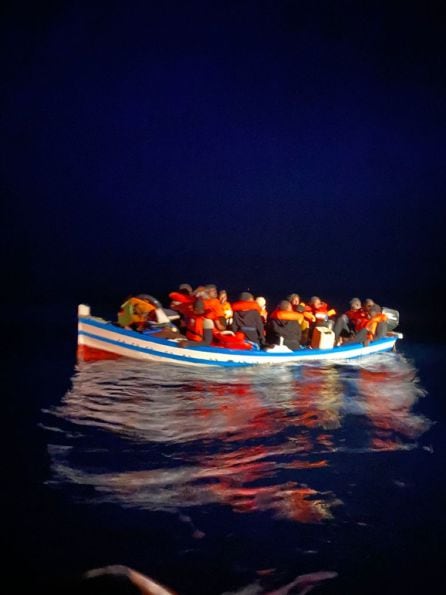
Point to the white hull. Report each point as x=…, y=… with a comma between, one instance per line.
x=97, y=334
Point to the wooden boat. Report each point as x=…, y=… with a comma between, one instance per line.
x=101, y=339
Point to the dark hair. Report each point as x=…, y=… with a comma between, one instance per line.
x=284, y=305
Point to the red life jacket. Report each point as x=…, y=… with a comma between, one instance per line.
x=229, y=341
x=355, y=317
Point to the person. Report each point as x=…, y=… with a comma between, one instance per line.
x=247, y=318
x=371, y=328
x=283, y=327
x=114, y=580
x=318, y=313
x=350, y=321
x=136, y=312
x=226, y=306
x=193, y=323
x=367, y=304
x=213, y=307
x=306, y=316
x=263, y=311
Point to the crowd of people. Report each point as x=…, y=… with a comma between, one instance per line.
x=205, y=316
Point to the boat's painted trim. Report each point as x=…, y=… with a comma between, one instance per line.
x=100, y=334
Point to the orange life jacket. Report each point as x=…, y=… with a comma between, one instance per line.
x=371, y=323
x=244, y=305
x=194, y=327
x=278, y=314
x=227, y=309
x=213, y=308
x=322, y=310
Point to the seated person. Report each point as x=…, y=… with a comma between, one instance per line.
x=247, y=318
x=226, y=306
x=306, y=317
x=283, y=326
x=318, y=313
x=348, y=323
x=213, y=307
x=370, y=328
x=263, y=311
x=136, y=312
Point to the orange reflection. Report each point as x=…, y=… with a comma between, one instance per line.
x=248, y=439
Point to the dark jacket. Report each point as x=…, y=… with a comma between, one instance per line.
x=289, y=330
x=251, y=324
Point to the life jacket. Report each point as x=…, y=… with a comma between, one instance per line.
x=135, y=312
x=227, y=309
x=319, y=313
x=278, y=314
x=213, y=308
x=355, y=317
x=371, y=323
x=194, y=327
x=245, y=305
x=177, y=299
x=231, y=341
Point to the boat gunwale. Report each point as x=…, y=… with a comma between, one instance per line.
x=302, y=354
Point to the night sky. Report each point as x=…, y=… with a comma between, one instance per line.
x=278, y=146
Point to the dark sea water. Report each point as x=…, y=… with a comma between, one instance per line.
x=226, y=481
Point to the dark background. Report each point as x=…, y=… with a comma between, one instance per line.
x=277, y=146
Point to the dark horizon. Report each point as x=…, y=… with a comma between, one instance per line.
x=279, y=147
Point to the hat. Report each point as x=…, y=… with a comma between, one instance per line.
x=261, y=301
x=245, y=296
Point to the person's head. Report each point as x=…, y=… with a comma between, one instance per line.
x=355, y=303
x=200, y=291
x=211, y=290
x=185, y=288
x=285, y=305
x=374, y=310
x=294, y=299
x=367, y=304
x=315, y=301
x=223, y=295
x=245, y=296
x=261, y=301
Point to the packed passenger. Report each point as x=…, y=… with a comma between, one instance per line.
x=214, y=310
x=263, y=311
x=137, y=311
x=350, y=321
x=247, y=318
x=306, y=316
x=318, y=313
x=284, y=327
x=226, y=306
x=370, y=328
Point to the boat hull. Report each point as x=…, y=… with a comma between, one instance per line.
x=96, y=336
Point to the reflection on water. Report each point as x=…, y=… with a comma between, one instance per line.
x=162, y=437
